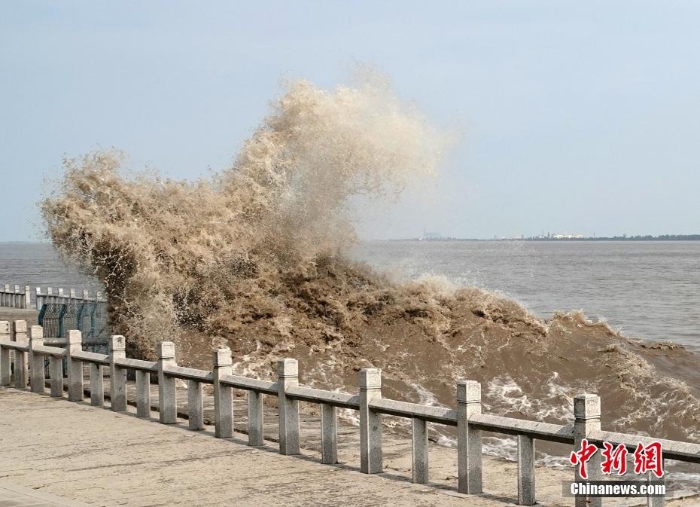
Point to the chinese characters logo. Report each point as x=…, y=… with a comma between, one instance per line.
x=647, y=458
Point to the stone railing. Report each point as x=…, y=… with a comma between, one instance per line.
x=14, y=296
x=23, y=352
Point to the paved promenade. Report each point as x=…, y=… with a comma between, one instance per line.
x=55, y=452
x=17, y=496
x=99, y=457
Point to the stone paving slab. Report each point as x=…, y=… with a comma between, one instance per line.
x=12, y=495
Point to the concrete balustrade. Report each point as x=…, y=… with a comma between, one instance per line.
x=255, y=418
x=37, y=377
x=117, y=379
x=97, y=386
x=20, y=336
x=56, y=374
x=526, y=470
x=288, y=376
x=420, y=451
x=329, y=434
x=468, y=438
x=370, y=422
x=467, y=417
x=587, y=420
x=223, y=395
x=167, y=393
x=74, y=345
x=195, y=405
x=143, y=394
x=6, y=355
x=15, y=296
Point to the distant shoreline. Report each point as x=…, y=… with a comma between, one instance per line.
x=666, y=237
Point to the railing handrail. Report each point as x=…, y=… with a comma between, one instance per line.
x=48, y=351
x=180, y=372
x=672, y=449
x=91, y=357
x=137, y=364
x=22, y=347
x=332, y=398
x=249, y=384
x=467, y=417
x=533, y=429
x=439, y=415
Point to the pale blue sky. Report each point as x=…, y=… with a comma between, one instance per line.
x=578, y=117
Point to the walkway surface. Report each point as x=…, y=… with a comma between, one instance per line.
x=13, y=495
x=54, y=452
x=100, y=457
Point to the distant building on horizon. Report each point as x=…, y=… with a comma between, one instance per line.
x=568, y=236
x=431, y=235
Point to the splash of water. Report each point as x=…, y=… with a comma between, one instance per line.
x=252, y=258
x=214, y=254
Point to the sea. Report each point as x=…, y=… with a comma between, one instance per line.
x=648, y=290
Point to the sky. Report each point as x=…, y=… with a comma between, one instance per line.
x=574, y=117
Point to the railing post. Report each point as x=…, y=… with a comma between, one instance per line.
x=371, y=460
x=6, y=295
x=117, y=374
x=143, y=394
x=56, y=373
x=587, y=420
x=74, y=344
x=19, y=335
x=526, y=470
x=195, y=407
x=657, y=501
x=420, y=451
x=288, y=376
x=255, y=418
x=5, y=370
x=97, y=385
x=37, y=376
x=27, y=303
x=329, y=434
x=223, y=395
x=468, y=439
x=167, y=393
x=16, y=298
